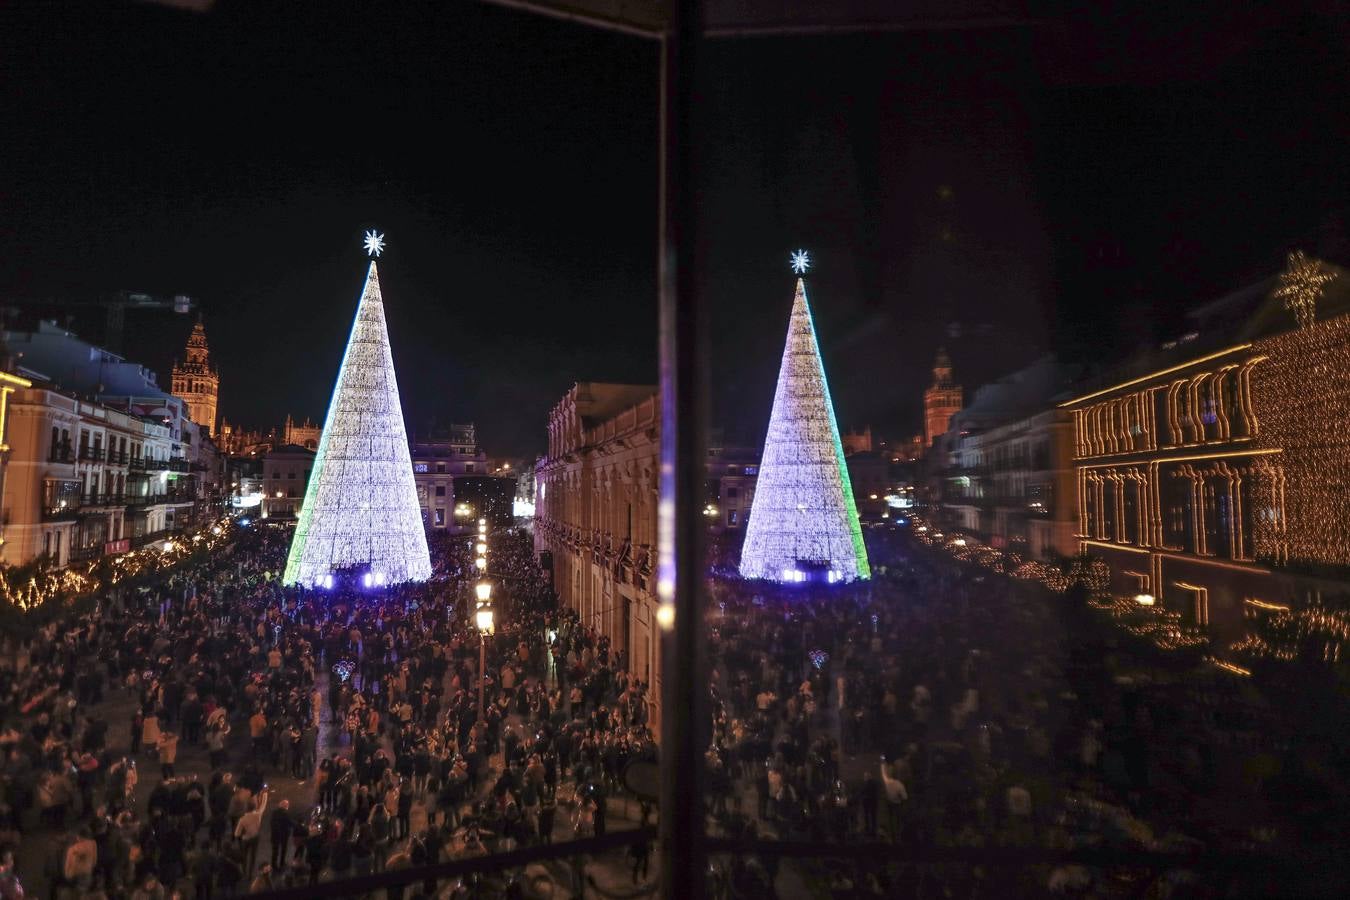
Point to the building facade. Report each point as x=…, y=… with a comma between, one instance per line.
x=438, y=456
x=9, y=383
x=941, y=400
x=305, y=434
x=285, y=472
x=732, y=473
x=595, y=517
x=195, y=382
x=1220, y=484
x=1014, y=485
x=86, y=480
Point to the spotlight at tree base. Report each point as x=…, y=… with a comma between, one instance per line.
x=803, y=526
x=360, y=508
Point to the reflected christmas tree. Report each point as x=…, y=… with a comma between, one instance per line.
x=361, y=509
x=803, y=521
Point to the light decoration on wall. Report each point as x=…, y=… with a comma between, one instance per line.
x=1301, y=285
x=803, y=510
x=1301, y=396
x=361, y=505
x=92, y=578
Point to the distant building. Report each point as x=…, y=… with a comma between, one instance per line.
x=595, y=517
x=195, y=382
x=85, y=479
x=857, y=441
x=439, y=455
x=138, y=458
x=1009, y=475
x=869, y=474
x=285, y=472
x=305, y=435
x=732, y=473
x=941, y=400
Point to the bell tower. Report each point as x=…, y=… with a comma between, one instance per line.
x=195, y=382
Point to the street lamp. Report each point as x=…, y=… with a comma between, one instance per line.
x=480, y=563
x=1145, y=599
x=482, y=617
x=481, y=548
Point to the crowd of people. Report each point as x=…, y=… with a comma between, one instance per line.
x=212, y=732
x=361, y=706
x=937, y=705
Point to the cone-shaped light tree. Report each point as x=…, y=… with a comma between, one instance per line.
x=803, y=521
x=361, y=506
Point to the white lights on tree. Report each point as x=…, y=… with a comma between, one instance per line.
x=360, y=507
x=803, y=521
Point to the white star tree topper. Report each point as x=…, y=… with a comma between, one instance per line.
x=374, y=243
x=801, y=261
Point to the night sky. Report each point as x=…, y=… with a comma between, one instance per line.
x=1072, y=186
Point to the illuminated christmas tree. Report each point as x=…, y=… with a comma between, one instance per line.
x=803, y=522
x=361, y=510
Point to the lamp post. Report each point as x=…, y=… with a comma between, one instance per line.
x=483, y=620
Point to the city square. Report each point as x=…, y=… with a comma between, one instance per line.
x=559, y=448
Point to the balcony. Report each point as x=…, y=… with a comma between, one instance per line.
x=177, y=464
x=143, y=500
x=64, y=512
x=117, y=457
x=85, y=554
x=136, y=463
x=108, y=499
x=140, y=540
x=91, y=454
x=61, y=453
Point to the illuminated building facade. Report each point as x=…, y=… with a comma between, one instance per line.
x=360, y=508
x=195, y=382
x=803, y=521
x=85, y=480
x=941, y=400
x=1219, y=482
x=595, y=517
x=439, y=455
